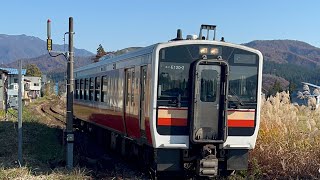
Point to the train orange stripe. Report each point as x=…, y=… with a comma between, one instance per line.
x=240, y=123
x=247, y=110
x=172, y=122
x=179, y=109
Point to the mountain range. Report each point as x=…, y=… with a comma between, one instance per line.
x=14, y=47
x=49, y=64
x=288, y=51
x=288, y=62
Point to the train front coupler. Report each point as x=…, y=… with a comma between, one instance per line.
x=207, y=164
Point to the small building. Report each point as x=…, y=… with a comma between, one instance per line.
x=3, y=89
x=13, y=84
x=13, y=74
x=33, y=85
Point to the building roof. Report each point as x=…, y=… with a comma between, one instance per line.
x=14, y=71
x=33, y=78
x=4, y=71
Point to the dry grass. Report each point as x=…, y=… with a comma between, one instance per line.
x=289, y=140
x=25, y=173
x=288, y=146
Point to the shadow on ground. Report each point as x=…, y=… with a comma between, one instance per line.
x=42, y=148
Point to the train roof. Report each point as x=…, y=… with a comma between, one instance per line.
x=104, y=61
x=150, y=49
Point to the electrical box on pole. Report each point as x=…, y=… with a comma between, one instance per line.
x=49, y=44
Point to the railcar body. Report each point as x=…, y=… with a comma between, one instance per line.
x=195, y=104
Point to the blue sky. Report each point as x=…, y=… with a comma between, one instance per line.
x=123, y=23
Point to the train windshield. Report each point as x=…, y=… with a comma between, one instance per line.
x=173, y=83
x=175, y=69
x=243, y=79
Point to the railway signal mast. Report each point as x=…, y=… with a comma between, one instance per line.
x=69, y=55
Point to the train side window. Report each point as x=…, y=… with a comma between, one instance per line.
x=81, y=88
x=104, y=89
x=76, y=94
x=100, y=89
x=97, y=89
x=127, y=83
x=132, y=87
x=113, y=90
x=91, y=89
x=85, y=91
x=109, y=91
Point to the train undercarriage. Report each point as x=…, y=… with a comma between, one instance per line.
x=198, y=162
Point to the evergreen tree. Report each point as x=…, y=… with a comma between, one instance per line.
x=33, y=70
x=100, y=51
x=275, y=88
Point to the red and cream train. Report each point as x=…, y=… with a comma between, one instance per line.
x=184, y=105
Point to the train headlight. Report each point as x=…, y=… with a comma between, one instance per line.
x=214, y=51
x=203, y=50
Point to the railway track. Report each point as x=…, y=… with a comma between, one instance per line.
x=53, y=114
x=103, y=163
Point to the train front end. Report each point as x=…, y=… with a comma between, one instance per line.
x=206, y=106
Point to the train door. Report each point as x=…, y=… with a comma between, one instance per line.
x=143, y=81
x=128, y=96
x=132, y=123
x=209, y=101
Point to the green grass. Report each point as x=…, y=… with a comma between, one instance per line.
x=41, y=144
x=43, y=152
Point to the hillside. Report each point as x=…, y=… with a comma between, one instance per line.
x=285, y=60
x=290, y=60
x=13, y=47
x=288, y=51
x=58, y=64
x=56, y=67
x=49, y=64
x=269, y=81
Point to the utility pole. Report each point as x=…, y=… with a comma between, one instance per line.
x=69, y=135
x=20, y=114
x=70, y=82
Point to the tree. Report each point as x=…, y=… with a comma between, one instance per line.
x=100, y=52
x=33, y=70
x=48, y=89
x=275, y=88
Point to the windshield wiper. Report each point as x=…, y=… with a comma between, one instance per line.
x=238, y=101
x=177, y=101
